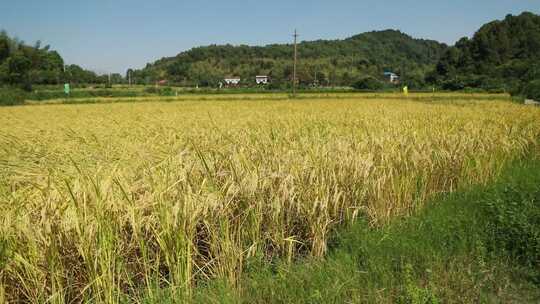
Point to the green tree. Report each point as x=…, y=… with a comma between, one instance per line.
x=502, y=55
x=24, y=65
x=4, y=47
x=18, y=68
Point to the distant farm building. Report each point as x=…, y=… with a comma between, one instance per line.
x=232, y=81
x=261, y=79
x=391, y=77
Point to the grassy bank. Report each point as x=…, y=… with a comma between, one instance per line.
x=476, y=246
x=447, y=98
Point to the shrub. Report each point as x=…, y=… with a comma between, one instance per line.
x=515, y=87
x=414, y=80
x=454, y=84
x=59, y=94
x=368, y=83
x=161, y=91
x=166, y=91
x=44, y=95
x=151, y=90
x=11, y=96
x=532, y=90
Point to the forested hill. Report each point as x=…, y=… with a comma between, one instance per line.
x=501, y=55
x=328, y=62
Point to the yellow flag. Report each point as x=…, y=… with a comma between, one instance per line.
x=406, y=90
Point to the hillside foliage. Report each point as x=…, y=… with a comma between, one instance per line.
x=502, y=55
x=321, y=62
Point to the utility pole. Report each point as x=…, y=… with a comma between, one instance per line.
x=129, y=76
x=294, y=66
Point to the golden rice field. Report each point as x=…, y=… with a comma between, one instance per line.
x=105, y=202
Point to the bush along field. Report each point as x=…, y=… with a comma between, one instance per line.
x=12, y=96
x=532, y=90
x=179, y=201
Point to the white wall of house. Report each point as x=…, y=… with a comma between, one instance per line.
x=393, y=78
x=233, y=81
x=261, y=79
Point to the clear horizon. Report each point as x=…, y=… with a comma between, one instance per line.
x=112, y=36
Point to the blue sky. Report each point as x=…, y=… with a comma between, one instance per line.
x=110, y=36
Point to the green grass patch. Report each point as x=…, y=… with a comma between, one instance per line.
x=476, y=246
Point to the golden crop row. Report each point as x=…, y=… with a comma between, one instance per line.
x=105, y=201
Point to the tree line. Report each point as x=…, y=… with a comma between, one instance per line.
x=502, y=55
x=23, y=65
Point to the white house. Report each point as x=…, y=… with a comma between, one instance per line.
x=261, y=79
x=392, y=77
x=232, y=81
x=531, y=102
